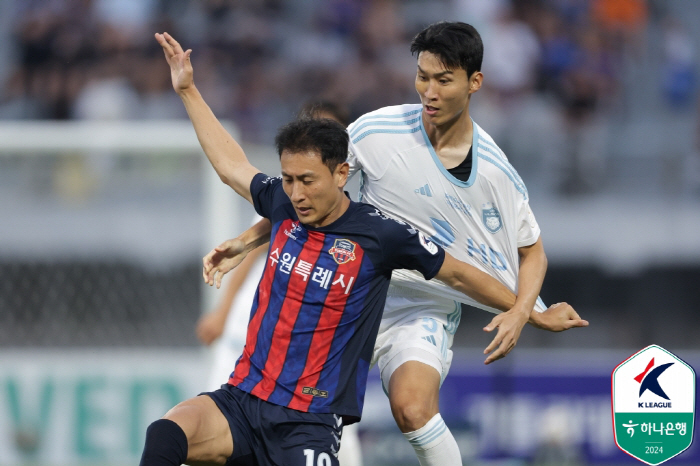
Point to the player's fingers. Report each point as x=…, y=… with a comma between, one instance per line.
x=166, y=46
x=493, y=324
x=219, y=276
x=495, y=342
x=210, y=276
x=177, y=48
x=187, y=55
x=577, y=323
x=501, y=352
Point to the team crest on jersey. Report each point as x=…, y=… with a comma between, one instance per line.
x=491, y=217
x=343, y=251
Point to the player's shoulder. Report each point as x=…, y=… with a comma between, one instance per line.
x=396, y=120
x=380, y=223
x=493, y=163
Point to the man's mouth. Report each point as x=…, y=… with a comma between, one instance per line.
x=304, y=210
x=431, y=110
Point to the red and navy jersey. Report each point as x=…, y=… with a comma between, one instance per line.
x=316, y=313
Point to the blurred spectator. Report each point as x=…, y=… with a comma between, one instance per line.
x=679, y=80
x=258, y=60
x=586, y=90
x=624, y=20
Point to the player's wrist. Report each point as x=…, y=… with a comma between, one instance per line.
x=187, y=93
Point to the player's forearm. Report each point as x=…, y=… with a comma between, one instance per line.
x=224, y=153
x=257, y=235
x=533, y=267
x=476, y=284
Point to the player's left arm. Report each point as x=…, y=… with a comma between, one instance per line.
x=533, y=266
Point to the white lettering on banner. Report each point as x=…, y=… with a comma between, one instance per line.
x=505, y=424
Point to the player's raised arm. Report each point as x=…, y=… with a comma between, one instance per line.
x=224, y=153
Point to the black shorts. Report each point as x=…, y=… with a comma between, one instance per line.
x=266, y=434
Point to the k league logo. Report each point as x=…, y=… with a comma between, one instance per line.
x=491, y=217
x=653, y=402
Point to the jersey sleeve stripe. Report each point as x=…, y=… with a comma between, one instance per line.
x=396, y=115
x=520, y=187
x=495, y=150
x=383, y=123
x=243, y=367
x=385, y=131
x=283, y=333
x=325, y=331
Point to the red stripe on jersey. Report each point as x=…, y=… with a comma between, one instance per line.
x=325, y=330
x=282, y=336
x=243, y=367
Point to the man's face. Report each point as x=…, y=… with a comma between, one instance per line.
x=315, y=192
x=444, y=93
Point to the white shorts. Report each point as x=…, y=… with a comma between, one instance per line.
x=416, y=326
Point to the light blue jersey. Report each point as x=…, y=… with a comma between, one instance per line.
x=482, y=221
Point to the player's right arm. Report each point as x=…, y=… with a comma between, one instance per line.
x=487, y=290
x=224, y=153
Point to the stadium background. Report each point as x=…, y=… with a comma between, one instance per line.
x=595, y=103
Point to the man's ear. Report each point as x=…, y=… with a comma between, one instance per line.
x=475, y=81
x=341, y=173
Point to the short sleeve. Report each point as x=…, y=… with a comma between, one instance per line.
x=405, y=247
x=263, y=190
x=528, y=229
x=353, y=159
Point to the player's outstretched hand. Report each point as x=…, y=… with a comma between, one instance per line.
x=509, y=325
x=557, y=318
x=180, y=65
x=221, y=260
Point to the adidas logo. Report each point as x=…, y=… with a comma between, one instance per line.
x=430, y=339
x=424, y=190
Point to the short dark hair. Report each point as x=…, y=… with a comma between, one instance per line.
x=316, y=108
x=456, y=44
x=326, y=136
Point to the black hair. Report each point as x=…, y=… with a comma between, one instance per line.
x=456, y=44
x=316, y=108
x=325, y=136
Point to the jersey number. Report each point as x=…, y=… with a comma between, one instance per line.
x=323, y=458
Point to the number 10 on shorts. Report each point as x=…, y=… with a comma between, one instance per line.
x=323, y=459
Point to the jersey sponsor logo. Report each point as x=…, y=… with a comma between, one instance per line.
x=424, y=191
x=458, y=204
x=314, y=392
x=343, y=251
x=444, y=235
x=427, y=244
x=491, y=217
x=295, y=229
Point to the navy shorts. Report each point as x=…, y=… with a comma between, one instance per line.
x=266, y=434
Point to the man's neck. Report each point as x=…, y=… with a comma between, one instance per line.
x=452, y=140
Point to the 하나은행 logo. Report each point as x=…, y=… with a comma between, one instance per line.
x=653, y=404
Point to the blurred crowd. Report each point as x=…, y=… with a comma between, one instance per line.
x=257, y=61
